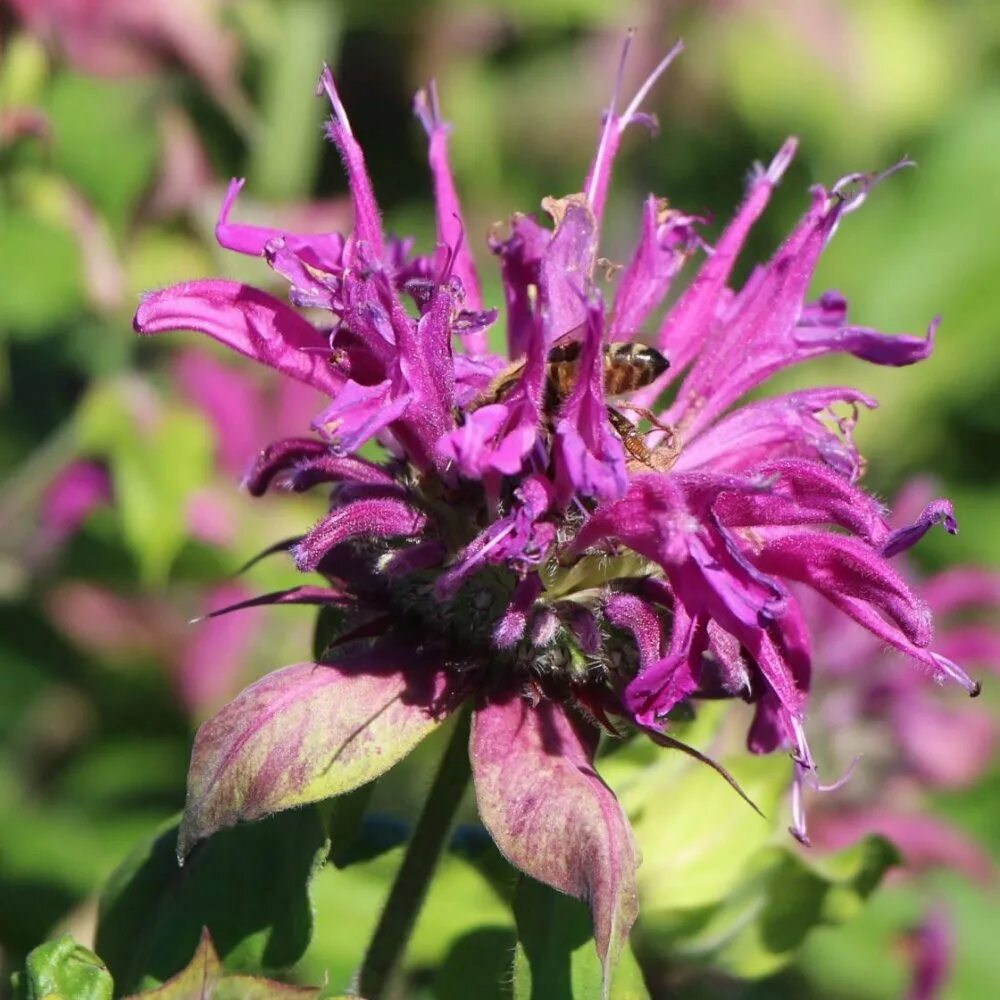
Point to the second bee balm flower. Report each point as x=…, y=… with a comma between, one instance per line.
x=523, y=546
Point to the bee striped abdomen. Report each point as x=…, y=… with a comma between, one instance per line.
x=628, y=367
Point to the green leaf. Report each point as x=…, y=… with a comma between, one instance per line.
x=555, y=957
x=153, y=480
x=695, y=834
x=158, y=458
x=43, y=274
x=250, y=886
x=63, y=970
x=196, y=981
x=344, y=822
x=255, y=988
x=104, y=140
x=23, y=69
x=205, y=979
x=764, y=919
x=460, y=903
x=477, y=965
x=329, y=624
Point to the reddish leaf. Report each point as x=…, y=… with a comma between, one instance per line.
x=552, y=816
x=309, y=732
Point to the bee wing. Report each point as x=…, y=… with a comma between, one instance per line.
x=567, y=346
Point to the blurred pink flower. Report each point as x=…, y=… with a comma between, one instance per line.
x=71, y=497
x=204, y=660
x=245, y=412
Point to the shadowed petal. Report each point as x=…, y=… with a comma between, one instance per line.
x=666, y=241
x=520, y=265
x=895, y=350
x=374, y=518
x=305, y=733
x=589, y=456
x=567, y=265
x=552, y=816
x=247, y=320
x=358, y=413
x=281, y=456
x=932, y=955
x=784, y=425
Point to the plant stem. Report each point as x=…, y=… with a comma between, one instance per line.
x=388, y=943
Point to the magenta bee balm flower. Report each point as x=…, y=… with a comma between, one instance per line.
x=521, y=532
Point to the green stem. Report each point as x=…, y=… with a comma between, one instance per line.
x=388, y=943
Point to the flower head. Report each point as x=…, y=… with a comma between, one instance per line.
x=523, y=543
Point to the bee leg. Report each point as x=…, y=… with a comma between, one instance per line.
x=631, y=438
x=650, y=416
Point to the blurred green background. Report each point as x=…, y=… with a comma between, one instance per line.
x=121, y=122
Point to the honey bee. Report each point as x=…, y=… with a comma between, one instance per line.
x=626, y=367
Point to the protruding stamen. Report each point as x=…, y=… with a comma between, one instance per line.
x=614, y=125
x=609, y=120
x=953, y=671
x=782, y=159
x=327, y=84
x=850, y=202
x=640, y=96
x=798, y=828
x=814, y=783
x=427, y=107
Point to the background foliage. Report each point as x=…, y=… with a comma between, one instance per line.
x=110, y=177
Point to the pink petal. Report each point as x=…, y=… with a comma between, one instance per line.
x=805, y=493
x=247, y=320
x=367, y=221
x=784, y=425
x=962, y=589
x=552, y=816
x=230, y=401
x=687, y=325
x=853, y=576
